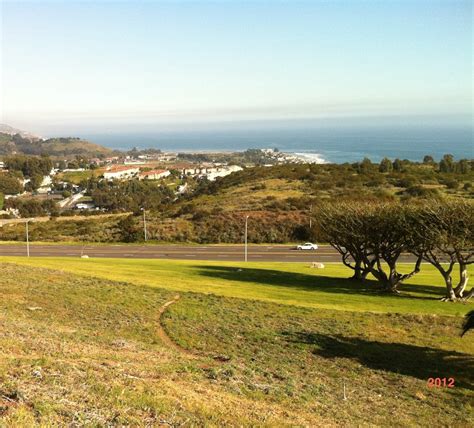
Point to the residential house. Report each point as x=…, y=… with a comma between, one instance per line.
x=155, y=174
x=121, y=172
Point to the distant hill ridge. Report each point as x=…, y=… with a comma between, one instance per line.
x=10, y=130
x=13, y=140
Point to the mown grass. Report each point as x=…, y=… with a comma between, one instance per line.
x=305, y=357
x=286, y=283
x=83, y=350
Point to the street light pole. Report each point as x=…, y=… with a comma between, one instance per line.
x=310, y=215
x=246, y=228
x=144, y=224
x=27, y=240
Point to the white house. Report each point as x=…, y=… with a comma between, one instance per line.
x=121, y=172
x=154, y=174
x=213, y=173
x=85, y=206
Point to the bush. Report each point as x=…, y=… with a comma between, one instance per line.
x=422, y=192
x=10, y=185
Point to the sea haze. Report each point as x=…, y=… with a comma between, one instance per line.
x=334, y=144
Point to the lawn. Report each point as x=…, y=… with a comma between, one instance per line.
x=286, y=283
x=81, y=350
x=76, y=177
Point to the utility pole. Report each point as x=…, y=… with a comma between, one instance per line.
x=144, y=224
x=246, y=228
x=27, y=240
x=310, y=215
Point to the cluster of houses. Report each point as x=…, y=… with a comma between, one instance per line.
x=210, y=171
x=142, y=167
x=124, y=172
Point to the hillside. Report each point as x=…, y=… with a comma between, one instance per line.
x=7, y=129
x=79, y=350
x=292, y=187
x=280, y=200
x=56, y=147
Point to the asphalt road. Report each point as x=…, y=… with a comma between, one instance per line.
x=264, y=253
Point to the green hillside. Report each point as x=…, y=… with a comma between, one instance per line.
x=59, y=147
x=76, y=349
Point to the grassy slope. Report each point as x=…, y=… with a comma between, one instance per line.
x=86, y=351
x=246, y=197
x=76, y=177
x=287, y=283
x=59, y=146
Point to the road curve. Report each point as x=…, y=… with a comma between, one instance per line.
x=263, y=253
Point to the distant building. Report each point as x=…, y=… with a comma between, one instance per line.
x=121, y=172
x=43, y=190
x=155, y=174
x=96, y=161
x=211, y=172
x=166, y=157
x=2, y=165
x=111, y=159
x=85, y=206
x=133, y=162
x=222, y=172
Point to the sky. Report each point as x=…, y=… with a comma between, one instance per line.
x=93, y=65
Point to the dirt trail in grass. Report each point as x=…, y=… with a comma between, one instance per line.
x=170, y=343
x=164, y=336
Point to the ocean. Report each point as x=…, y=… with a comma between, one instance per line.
x=335, y=145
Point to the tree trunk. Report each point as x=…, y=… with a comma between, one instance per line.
x=459, y=290
x=451, y=295
x=358, y=271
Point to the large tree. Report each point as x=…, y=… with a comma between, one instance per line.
x=342, y=225
x=10, y=185
x=371, y=237
x=390, y=235
x=446, y=239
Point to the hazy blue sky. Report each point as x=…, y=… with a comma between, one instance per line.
x=99, y=64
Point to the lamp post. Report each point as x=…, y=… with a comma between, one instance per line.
x=144, y=224
x=246, y=228
x=27, y=239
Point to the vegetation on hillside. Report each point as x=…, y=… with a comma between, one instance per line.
x=279, y=200
x=59, y=147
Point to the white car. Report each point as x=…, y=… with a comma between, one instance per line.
x=307, y=246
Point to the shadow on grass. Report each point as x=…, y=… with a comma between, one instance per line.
x=410, y=360
x=308, y=282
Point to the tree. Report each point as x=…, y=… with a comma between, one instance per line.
x=29, y=165
x=366, y=166
x=428, y=160
x=35, y=181
x=371, y=237
x=463, y=167
x=385, y=165
x=342, y=226
x=391, y=234
x=447, y=164
x=128, y=229
x=397, y=165
x=445, y=238
x=10, y=185
x=2, y=200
